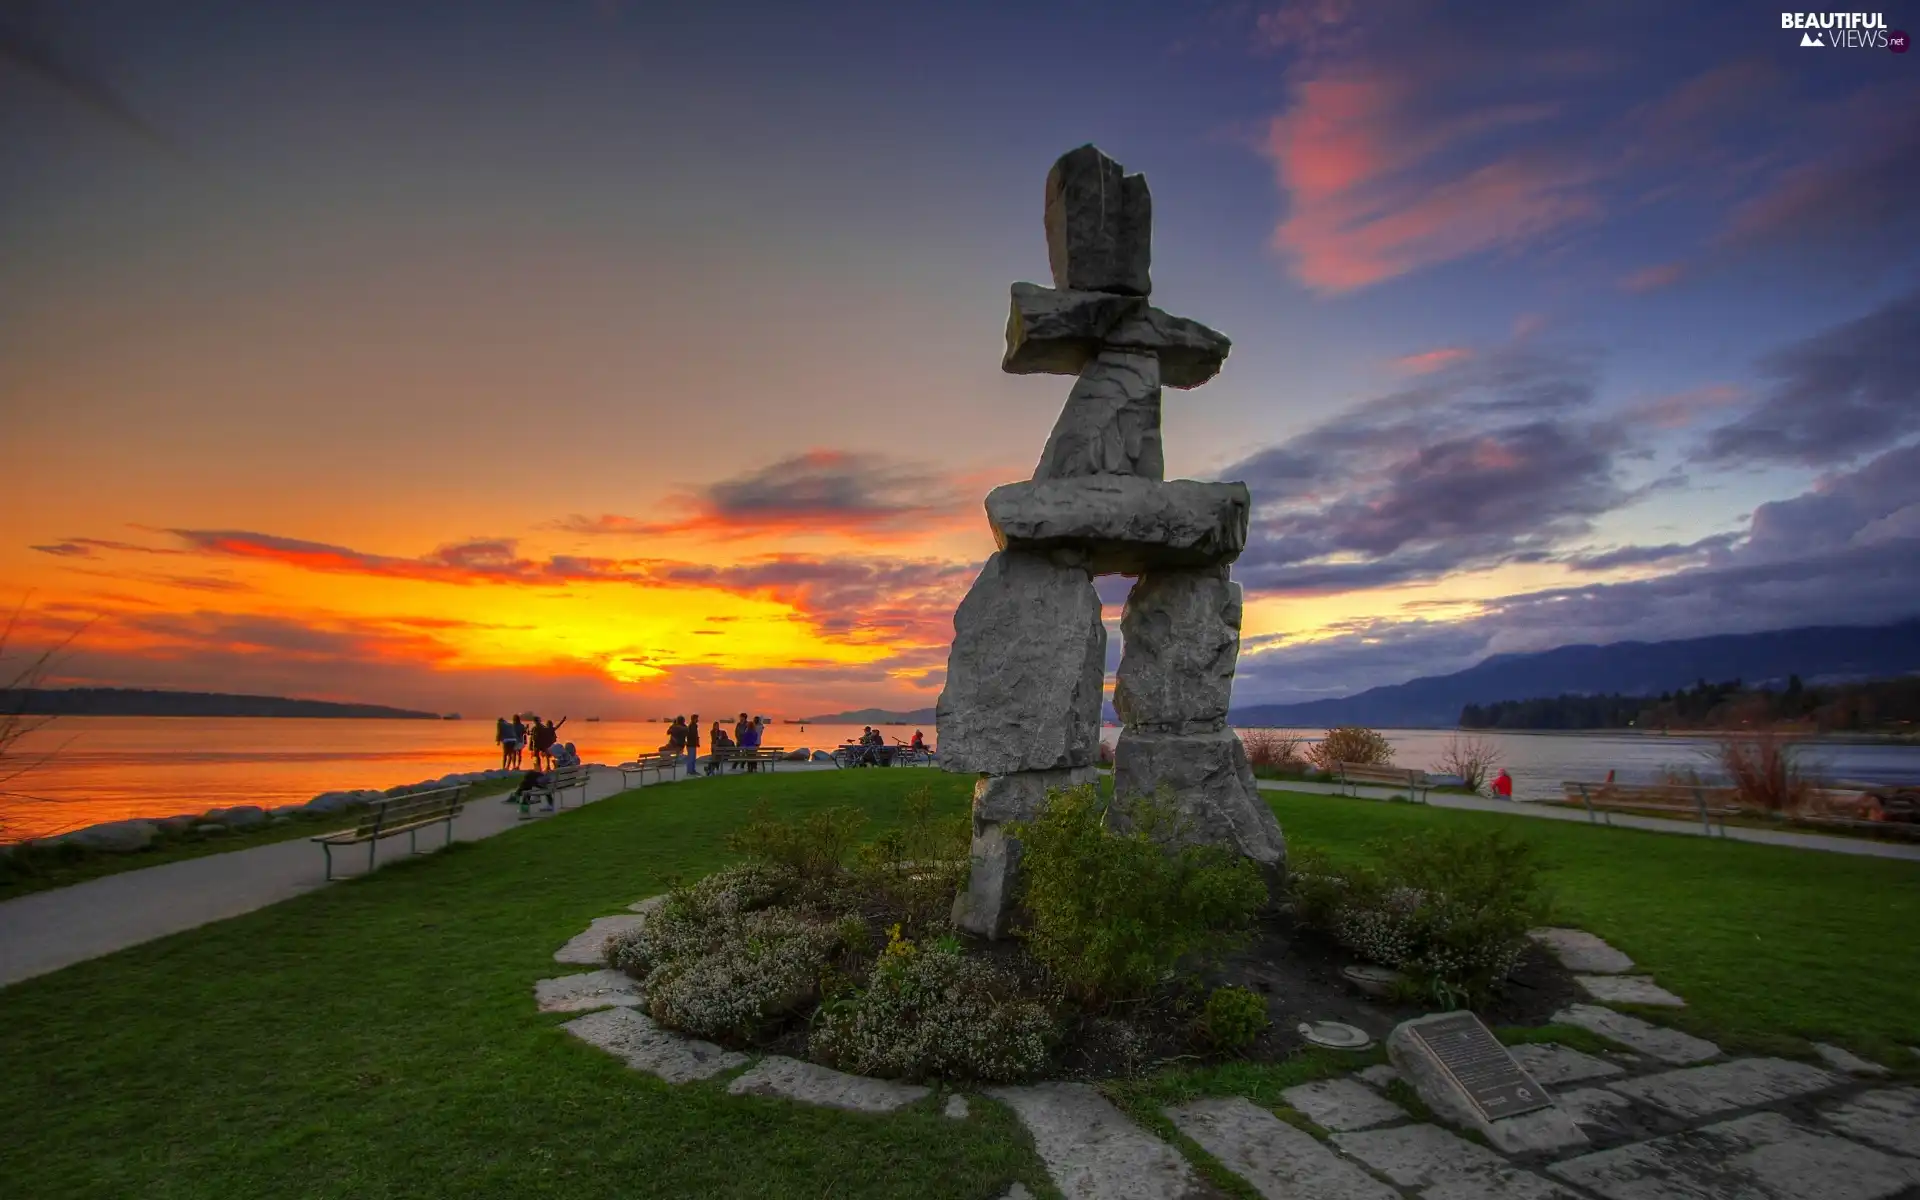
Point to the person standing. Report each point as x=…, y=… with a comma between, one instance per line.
x=676, y=738
x=693, y=745
x=518, y=741
x=503, y=737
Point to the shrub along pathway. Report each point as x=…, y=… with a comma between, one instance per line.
x=1733, y=833
x=48, y=930
x=1664, y=1113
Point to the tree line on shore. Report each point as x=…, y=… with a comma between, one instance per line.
x=1872, y=706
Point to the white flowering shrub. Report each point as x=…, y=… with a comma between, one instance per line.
x=755, y=969
x=934, y=1013
x=694, y=918
x=1449, y=911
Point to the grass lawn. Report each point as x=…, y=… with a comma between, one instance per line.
x=37, y=870
x=378, y=1038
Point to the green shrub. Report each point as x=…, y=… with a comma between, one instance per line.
x=915, y=868
x=1111, y=913
x=1353, y=744
x=1233, y=1018
x=1449, y=910
x=932, y=1013
x=813, y=848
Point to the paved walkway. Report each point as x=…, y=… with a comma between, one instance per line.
x=1733, y=833
x=48, y=930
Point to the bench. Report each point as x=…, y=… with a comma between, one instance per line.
x=659, y=764
x=752, y=756
x=1680, y=799
x=558, y=783
x=1352, y=775
x=395, y=815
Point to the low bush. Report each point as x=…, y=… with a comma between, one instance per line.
x=1111, y=911
x=1350, y=743
x=1233, y=1018
x=931, y=1012
x=1474, y=759
x=756, y=969
x=1764, y=770
x=815, y=847
x=1450, y=911
x=915, y=869
x=1273, y=749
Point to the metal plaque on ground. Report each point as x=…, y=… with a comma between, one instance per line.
x=1486, y=1073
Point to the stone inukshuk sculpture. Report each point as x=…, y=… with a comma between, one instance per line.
x=1026, y=673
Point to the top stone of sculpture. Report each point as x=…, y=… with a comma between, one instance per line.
x=1099, y=225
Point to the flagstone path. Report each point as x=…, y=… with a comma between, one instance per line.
x=1666, y=1115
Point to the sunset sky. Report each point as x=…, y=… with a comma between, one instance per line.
x=626, y=358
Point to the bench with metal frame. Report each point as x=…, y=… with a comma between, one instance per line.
x=556, y=784
x=1352, y=775
x=1680, y=799
x=659, y=764
x=395, y=815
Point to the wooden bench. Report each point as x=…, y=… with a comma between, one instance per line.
x=395, y=815
x=1352, y=775
x=659, y=764
x=752, y=756
x=1679, y=799
x=558, y=783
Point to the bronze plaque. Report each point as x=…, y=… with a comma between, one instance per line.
x=1475, y=1060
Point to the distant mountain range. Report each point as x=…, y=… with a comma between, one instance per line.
x=1818, y=654
x=140, y=702
x=873, y=716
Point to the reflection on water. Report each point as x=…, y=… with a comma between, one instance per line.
x=107, y=768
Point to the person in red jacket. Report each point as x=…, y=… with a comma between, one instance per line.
x=1503, y=785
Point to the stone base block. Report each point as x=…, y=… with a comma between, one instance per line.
x=1211, y=785
x=1026, y=672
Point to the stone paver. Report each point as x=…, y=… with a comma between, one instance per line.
x=1091, y=1151
x=1744, y=1083
x=589, y=949
x=1280, y=1161
x=594, y=989
x=1379, y=1075
x=649, y=906
x=645, y=1046
x=1596, y=1108
x=1343, y=1104
x=1018, y=1192
x=811, y=1083
x=1889, y=1118
x=1759, y=1157
x=1846, y=1060
x=1581, y=951
x=1554, y=1064
x=1628, y=989
x=956, y=1108
x=1444, y=1167
x=1668, y=1045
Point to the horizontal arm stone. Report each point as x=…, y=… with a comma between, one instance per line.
x=1123, y=524
x=1190, y=353
x=1055, y=332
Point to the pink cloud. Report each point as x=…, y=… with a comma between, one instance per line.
x=1377, y=189
x=1678, y=410
x=1653, y=278
x=1428, y=361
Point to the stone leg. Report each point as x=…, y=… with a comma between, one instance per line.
x=1182, y=631
x=984, y=907
x=1026, y=673
x=1111, y=423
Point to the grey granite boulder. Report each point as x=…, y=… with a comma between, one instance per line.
x=1211, y=785
x=1121, y=524
x=243, y=816
x=1099, y=225
x=1001, y=798
x=172, y=825
x=1182, y=635
x=1055, y=332
x=1190, y=353
x=1026, y=672
x=116, y=837
x=1111, y=422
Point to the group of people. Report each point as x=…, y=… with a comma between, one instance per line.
x=872, y=741
x=683, y=738
x=515, y=735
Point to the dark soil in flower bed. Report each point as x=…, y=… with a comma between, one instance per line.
x=1296, y=970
